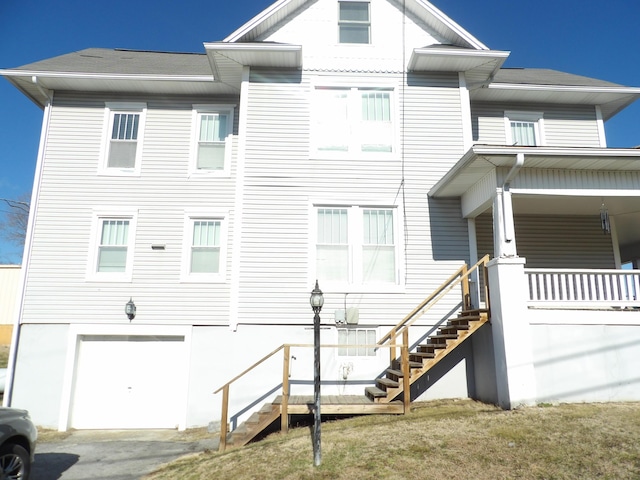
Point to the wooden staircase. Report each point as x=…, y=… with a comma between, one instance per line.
x=392, y=391
x=427, y=355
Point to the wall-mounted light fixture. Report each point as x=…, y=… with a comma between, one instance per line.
x=605, y=223
x=130, y=309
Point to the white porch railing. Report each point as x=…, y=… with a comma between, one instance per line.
x=594, y=288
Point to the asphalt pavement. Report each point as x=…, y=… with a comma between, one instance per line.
x=112, y=455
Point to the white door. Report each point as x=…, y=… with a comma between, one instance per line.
x=128, y=382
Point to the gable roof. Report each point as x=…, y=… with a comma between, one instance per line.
x=281, y=10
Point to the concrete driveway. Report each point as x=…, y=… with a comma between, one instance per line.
x=113, y=455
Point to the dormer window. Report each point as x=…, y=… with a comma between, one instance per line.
x=354, y=22
x=524, y=129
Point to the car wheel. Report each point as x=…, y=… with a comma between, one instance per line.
x=14, y=462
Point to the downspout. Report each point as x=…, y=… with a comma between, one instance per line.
x=507, y=206
x=26, y=254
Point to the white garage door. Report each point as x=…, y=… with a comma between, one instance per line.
x=128, y=382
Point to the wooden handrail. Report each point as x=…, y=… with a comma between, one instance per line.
x=460, y=274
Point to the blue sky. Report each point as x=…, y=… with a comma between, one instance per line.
x=595, y=39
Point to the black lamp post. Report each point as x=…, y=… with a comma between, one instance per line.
x=316, y=300
x=130, y=309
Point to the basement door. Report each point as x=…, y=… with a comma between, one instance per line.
x=128, y=381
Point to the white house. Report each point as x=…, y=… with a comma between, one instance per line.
x=374, y=145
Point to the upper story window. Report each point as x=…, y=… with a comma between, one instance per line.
x=123, y=142
x=354, y=22
x=113, y=240
x=354, y=120
x=356, y=246
x=204, y=247
x=211, y=138
x=524, y=128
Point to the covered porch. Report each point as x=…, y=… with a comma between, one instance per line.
x=563, y=228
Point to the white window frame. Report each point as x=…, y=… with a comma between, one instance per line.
x=342, y=23
x=111, y=109
x=99, y=216
x=356, y=127
x=192, y=216
x=355, y=282
x=198, y=111
x=537, y=118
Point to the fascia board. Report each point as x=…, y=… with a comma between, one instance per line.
x=565, y=88
x=106, y=76
x=452, y=25
x=255, y=21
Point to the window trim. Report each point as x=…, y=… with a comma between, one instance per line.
x=197, y=111
x=525, y=116
x=99, y=216
x=354, y=22
x=354, y=122
x=191, y=216
x=110, y=110
x=355, y=284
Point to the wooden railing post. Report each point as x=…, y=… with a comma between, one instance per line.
x=406, y=372
x=466, y=299
x=392, y=349
x=487, y=299
x=225, y=418
x=284, y=408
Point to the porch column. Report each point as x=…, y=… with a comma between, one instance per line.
x=504, y=240
x=512, y=343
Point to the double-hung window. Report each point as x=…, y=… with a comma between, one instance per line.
x=356, y=246
x=524, y=128
x=212, y=132
x=354, y=120
x=204, y=248
x=354, y=22
x=112, y=256
x=123, y=142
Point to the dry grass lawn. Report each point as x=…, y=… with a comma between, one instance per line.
x=444, y=439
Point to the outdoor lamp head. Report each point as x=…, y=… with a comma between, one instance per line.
x=130, y=309
x=317, y=299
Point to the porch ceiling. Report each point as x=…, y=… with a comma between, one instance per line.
x=557, y=198
x=482, y=159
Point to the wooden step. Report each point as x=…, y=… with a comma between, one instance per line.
x=374, y=392
x=387, y=383
x=443, y=337
x=394, y=374
x=454, y=329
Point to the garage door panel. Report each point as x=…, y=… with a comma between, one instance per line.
x=127, y=381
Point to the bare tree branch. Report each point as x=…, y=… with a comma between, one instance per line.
x=14, y=220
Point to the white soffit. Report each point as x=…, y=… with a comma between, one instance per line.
x=483, y=63
x=481, y=159
x=267, y=55
x=610, y=99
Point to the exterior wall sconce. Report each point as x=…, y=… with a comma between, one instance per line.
x=316, y=300
x=130, y=309
x=605, y=223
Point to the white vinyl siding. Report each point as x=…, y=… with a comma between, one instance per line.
x=354, y=22
x=554, y=241
x=353, y=120
x=564, y=125
x=64, y=252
